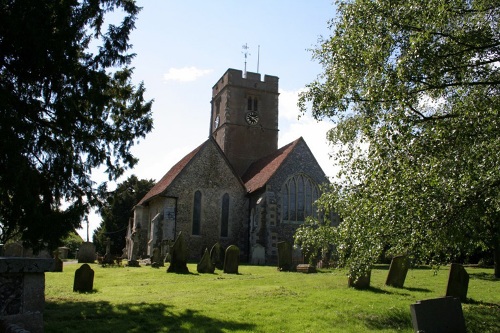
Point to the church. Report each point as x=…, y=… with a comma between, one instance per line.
x=237, y=187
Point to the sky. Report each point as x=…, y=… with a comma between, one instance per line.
x=183, y=48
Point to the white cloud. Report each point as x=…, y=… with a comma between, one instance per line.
x=185, y=74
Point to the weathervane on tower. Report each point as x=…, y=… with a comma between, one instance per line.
x=246, y=53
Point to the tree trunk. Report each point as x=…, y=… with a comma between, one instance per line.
x=496, y=259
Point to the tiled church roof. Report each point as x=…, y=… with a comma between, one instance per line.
x=259, y=173
x=167, y=179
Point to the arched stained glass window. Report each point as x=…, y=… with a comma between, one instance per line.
x=224, y=227
x=197, y=213
x=298, y=195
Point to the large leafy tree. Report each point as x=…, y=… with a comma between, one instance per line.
x=116, y=212
x=413, y=88
x=67, y=106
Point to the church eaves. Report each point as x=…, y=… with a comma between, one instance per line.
x=259, y=173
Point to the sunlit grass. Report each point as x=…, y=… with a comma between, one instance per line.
x=259, y=299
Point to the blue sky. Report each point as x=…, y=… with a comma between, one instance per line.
x=184, y=47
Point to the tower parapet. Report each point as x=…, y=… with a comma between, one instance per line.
x=234, y=77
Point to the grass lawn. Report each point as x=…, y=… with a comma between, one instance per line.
x=259, y=299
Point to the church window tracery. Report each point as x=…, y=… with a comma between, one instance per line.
x=298, y=195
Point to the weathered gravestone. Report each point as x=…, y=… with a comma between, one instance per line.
x=108, y=258
x=362, y=282
x=58, y=262
x=157, y=258
x=84, y=279
x=458, y=282
x=285, y=256
x=86, y=253
x=232, y=260
x=438, y=315
x=397, y=271
x=134, y=241
x=258, y=255
x=13, y=250
x=306, y=268
x=217, y=256
x=22, y=293
x=178, y=253
x=205, y=265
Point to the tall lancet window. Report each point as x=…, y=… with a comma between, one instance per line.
x=224, y=226
x=196, y=213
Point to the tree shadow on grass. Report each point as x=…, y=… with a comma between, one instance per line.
x=482, y=316
x=132, y=317
x=483, y=276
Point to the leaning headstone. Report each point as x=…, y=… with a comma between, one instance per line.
x=205, y=265
x=217, y=256
x=362, y=282
x=157, y=258
x=397, y=272
x=84, y=279
x=58, y=262
x=284, y=256
x=178, y=253
x=232, y=260
x=458, y=282
x=86, y=253
x=438, y=315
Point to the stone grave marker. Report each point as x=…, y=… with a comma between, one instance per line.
x=362, y=282
x=397, y=271
x=157, y=258
x=178, y=253
x=86, y=253
x=285, y=256
x=205, y=265
x=232, y=260
x=58, y=262
x=438, y=315
x=306, y=268
x=258, y=255
x=13, y=250
x=458, y=282
x=217, y=256
x=84, y=279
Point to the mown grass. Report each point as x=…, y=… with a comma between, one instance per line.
x=259, y=299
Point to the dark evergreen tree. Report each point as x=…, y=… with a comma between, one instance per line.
x=116, y=212
x=67, y=107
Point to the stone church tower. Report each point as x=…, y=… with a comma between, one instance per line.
x=244, y=117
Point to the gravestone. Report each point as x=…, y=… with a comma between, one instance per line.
x=306, y=268
x=135, y=239
x=84, y=279
x=13, y=250
x=258, y=255
x=232, y=260
x=362, y=282
x=397, y=271
x=63, y=252
x=86, y=253
x=438, y=315
x=58, y=262
x=157, y=258
x=217, y=256
x=458, y=282
x=285, y=250
x=205, y=265
x=22, y=293
x=178, y=256
x=108, y=258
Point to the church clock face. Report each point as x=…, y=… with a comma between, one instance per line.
x=252, y=118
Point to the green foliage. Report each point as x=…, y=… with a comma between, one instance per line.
x=67, y=106
x=72, y=242
x=315, y=237
x=116, y=212
x=413, y=87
